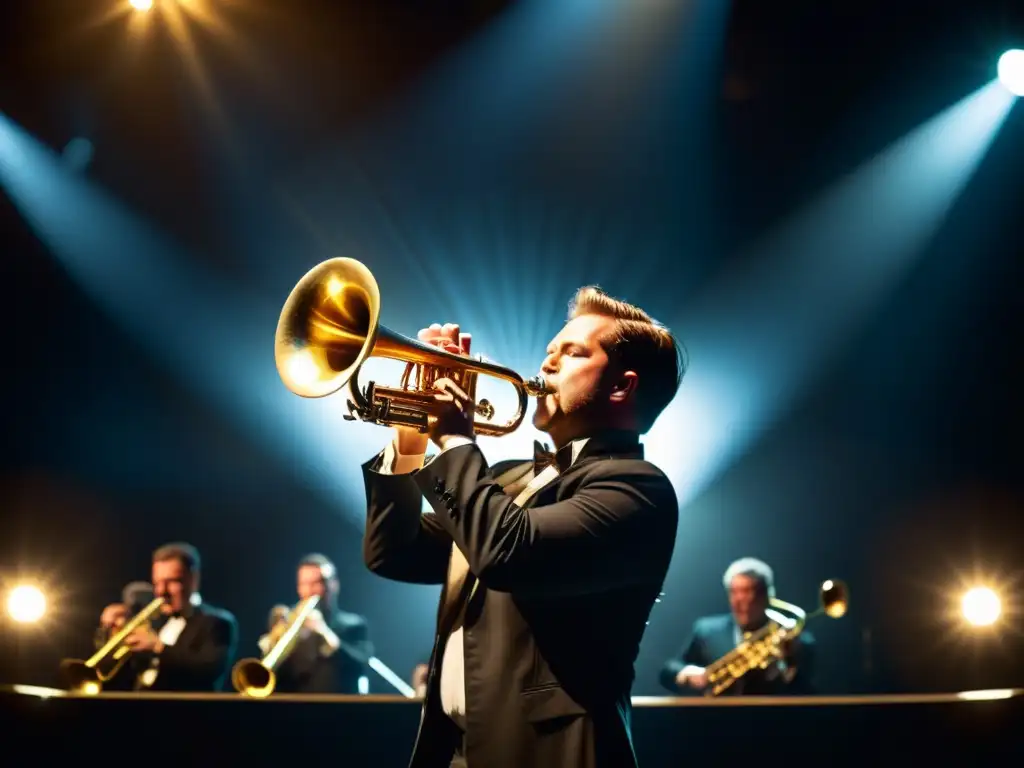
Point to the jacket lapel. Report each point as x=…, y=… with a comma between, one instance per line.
x=193, y=624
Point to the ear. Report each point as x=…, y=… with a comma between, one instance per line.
x=624, y=386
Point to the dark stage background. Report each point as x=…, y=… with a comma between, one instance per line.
x=898, y=467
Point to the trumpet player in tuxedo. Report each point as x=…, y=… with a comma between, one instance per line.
x=333, y=648
x=536, y=557
x=189, y=646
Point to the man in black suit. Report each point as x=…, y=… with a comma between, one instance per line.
x=749, y=584
x=192, y=645
x=333, y=648
x=550, y=567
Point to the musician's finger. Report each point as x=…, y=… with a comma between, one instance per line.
x=464, y=342
x=451, y=333
x=430, y=335
x=450, y=387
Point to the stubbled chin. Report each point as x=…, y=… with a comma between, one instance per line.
x=541, y=418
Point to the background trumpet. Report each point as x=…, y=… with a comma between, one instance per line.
x=86, y=676
x=255, y=677
x=329, y=327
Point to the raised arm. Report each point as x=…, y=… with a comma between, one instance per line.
x=616, y=530
x=400, y=542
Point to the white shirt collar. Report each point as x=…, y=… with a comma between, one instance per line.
x=577, y=448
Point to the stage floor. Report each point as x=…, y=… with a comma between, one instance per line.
x=377, y=731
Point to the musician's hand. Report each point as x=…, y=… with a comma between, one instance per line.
x=114, y=616
x=144, y=639
x=411, y=442
x=789, y=648
x=454, y=413
x=315, y=622
x=419, y=679
x=692, y=676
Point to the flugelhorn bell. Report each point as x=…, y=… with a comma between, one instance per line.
x=330, y=326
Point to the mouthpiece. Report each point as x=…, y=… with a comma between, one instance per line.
x=537, y=387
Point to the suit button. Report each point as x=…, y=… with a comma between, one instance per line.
x=438, y=485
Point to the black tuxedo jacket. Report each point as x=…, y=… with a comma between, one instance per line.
x=566, y=585
x=714, y=636
x=200, y=659
x=308, y=670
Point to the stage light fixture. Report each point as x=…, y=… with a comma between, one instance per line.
x=1011, y=71
x=980, y=607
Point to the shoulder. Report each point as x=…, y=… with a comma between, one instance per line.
x=349, y=622
x=217, y=615
x=648, y=480
x=709, y=625
x=618, y=466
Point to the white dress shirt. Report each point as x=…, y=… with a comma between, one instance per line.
x=169, y=634
x=453, y=663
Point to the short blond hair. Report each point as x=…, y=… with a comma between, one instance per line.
x=637, y=343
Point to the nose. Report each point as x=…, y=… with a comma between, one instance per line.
x=548, y=366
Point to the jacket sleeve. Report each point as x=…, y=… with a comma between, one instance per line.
x=204, y=663
x=400, y=542
x=691, y=653
x=356, y=642
x=616, y=530
x=801, y=658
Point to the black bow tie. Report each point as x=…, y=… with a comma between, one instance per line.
x=543, y=458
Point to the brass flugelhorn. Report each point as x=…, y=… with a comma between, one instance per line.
x=785, y=622
x=256, y=677
x=86, y=676
x=330, y=326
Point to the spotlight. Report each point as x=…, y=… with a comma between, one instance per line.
x=141, y=5
x=1011, y=71
x=980, y=606
x=26, y=604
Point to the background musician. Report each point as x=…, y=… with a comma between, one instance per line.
x=333, y=647
x=192, y=646
x=536, y=555
x=749, y=583
x=418, y=679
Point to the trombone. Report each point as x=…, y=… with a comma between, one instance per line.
x=330, y=326
x=255, y=677
x=766, y=644
x=86, y=676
